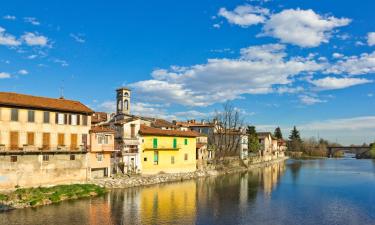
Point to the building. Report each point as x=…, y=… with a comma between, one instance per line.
x=169, y=151
x=44, y=138
x=265, y=141
x=102, y=146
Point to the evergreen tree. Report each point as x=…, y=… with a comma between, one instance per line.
x=253, y=141
x=278, y=133
x=295, y=142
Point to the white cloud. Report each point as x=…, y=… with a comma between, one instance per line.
x=216, y=25
x=245, y=15
x=31, y=20
x=310, y=100
x=290, y=90
x=32, y=56
x=78, y=38
x=23, y=72
x=4, y=75
x=370, y=95
x=304, y=28
x=355, y=123
x=371, y=38
x=34, y=39
x=8, y=39
x=63, y=63
x=331, y=83
x=254, y=72
x=354, y=65
x=9, y=17
x=337, y=55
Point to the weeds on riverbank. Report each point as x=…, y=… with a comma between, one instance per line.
x=25, y=197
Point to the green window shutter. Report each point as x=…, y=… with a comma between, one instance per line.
x=174, y=143
x=155, y=143
x=156, y=157
x=186, y=141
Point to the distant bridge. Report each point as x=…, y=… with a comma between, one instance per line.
x=359, y=151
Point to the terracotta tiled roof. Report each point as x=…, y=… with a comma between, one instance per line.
x=98, y=117
x=159, y=123
x=101, y=129
x=194, y=124
x=145, y=130
x=55, y=104
x=200, y=145
x=264, y=134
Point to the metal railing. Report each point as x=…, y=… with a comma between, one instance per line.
x=33, y=148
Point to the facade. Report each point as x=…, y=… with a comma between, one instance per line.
x=169, y=151
x=102, y=146
x=42, y=137
x=202, y=153
x=265, y=141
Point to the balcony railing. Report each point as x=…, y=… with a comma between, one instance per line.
x=162, y=147
x=131, y=141
x=33, y=148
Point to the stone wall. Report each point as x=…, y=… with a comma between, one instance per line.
x=30, y=170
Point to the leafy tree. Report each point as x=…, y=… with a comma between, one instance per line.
x=253, y=141
x=295, y=142
x=372, y=151
x=278, y=133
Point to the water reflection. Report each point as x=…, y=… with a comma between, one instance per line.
x=322, y=192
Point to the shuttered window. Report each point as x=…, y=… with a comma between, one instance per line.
x=61, y=140
x=30, y=138
x=31, y=116
x=174, y=143
x=46, y=118
x=14, y=140
x=14, y=115
x=156, y=157
x=46, y=141
x=186, y=141
x=155, y=143
x=73, y=141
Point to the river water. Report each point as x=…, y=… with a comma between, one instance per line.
x=326, y=192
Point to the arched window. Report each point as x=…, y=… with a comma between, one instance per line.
x=126, y=94
x=126, y=105
x=119, y=105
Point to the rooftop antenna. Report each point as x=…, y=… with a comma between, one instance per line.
x=62, y=90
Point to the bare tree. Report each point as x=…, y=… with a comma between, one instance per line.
x=225, y=138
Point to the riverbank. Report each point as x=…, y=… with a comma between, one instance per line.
x=32, y=197
x=135, y=181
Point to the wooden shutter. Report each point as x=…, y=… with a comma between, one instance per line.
x=155, y=143
x=14, y=140
x=61, y=139
x=132, y=130
x=56, y=118
x=70, y=119
x=174, y=143
x=30, y=138
x=46, y=141
x=73, y=141
x=78, y=119
x=65, y=118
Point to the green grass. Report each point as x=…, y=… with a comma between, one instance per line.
x=43, y=195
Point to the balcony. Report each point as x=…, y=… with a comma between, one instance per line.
x=32, y=148
x=130, y=149
x=130, y=141
x=163, y=147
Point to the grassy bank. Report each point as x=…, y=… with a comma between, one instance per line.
x=31, y=197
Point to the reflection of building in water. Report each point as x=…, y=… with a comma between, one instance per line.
x=169, y=202
x=271, y=175
x=100, y=212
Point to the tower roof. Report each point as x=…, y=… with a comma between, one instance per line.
x=123, y=88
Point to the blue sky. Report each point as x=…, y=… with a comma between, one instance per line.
x=281, y=63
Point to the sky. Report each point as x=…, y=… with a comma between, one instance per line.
x=280, y=63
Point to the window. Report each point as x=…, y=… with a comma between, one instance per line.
x=46, y=117
x=155, y=143
x=186, y=141
x=172, y=159
x=46, y=141
x=73, y=119
x=14, y=115
x=102, y=139
x=145, y=159
x=30, y=138
x=45, y=158
x=14, y=140
x=186, y=157
x=72, y=157
x=99, y=156
x=174, y=143
x=60, y=118
x=31, y=116
x=156, y=157
x=84, y=120
x=132, y=131
x=60, y=139
x=13, y=158
x=73, y=141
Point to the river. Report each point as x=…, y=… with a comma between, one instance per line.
x=324, y=192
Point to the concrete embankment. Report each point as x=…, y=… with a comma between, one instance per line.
x=135, y=181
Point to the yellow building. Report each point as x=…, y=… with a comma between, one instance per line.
x=169, y=151
x=102, y=145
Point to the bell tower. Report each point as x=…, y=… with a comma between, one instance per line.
x=123, y=101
